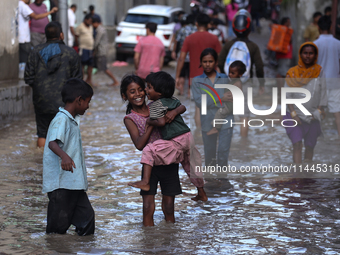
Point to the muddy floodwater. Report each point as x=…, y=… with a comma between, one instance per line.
x=242, y=216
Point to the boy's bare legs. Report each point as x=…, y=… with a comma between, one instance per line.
x=144, y=184
x=244, y=129
x=309, y=152
x=41, y=142
x=168, y=207
x=115, y=81
x=89, y=75
x=148, y=210
x=297, y=152
x=201, y=195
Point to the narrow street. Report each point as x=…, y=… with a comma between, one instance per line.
x=248, y=215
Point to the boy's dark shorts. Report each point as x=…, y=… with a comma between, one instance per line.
x=168, y=178
x=87, y=57
x=43, y=122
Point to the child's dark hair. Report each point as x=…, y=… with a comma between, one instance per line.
x=208, y=51
x=325, y=23
x=317, y=14
x=215, y=21
x=88, y=16
x=74, y=88
x=96, y=20
x=327, y=9
x=241, y=67
x=152, y=26
x=126, y=81
x=203, y=19
x=284, y=20
x=162, y=82
x=53, y=30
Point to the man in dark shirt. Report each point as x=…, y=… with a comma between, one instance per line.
x=49, y=66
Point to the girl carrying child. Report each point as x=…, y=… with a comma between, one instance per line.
x=236, y=70
x=148, y=136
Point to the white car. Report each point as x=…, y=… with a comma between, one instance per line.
x=133, y=27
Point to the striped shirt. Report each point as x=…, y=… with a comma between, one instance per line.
x=158, y=110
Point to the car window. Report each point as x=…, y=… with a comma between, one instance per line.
x=142, y=19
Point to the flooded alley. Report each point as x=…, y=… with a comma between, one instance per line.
x=242, y=216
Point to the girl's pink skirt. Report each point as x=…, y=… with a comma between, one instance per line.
x=180, y=149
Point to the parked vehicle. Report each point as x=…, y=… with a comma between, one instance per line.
x=132, y=28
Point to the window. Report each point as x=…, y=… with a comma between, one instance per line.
x=143, y=19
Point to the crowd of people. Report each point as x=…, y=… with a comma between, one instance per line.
x=206, y=54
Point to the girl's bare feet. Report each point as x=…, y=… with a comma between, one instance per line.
x=140, y=185
x=201, y=195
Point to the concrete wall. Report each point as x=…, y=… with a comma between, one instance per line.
x=301, y=14
x=9, y=48
x=15, y=99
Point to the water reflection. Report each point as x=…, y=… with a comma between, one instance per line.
x=242, y=216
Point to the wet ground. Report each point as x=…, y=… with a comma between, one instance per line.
x=243, y=216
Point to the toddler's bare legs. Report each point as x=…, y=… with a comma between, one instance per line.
x=144, y=183
x=244, y=129
x=197, y=118
x=212, y=131
x=201, y=195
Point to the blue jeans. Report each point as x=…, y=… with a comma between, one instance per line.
x=210, y=143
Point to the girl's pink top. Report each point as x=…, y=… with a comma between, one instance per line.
x=230, y=12
x=140, y=121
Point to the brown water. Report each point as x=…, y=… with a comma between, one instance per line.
x=242, y=216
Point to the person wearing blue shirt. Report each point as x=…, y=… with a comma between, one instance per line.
x=64, y=170
x=201, y=84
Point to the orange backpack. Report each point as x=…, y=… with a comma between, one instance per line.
x=280, y=38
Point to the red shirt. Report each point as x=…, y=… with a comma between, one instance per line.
x=195, y=44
